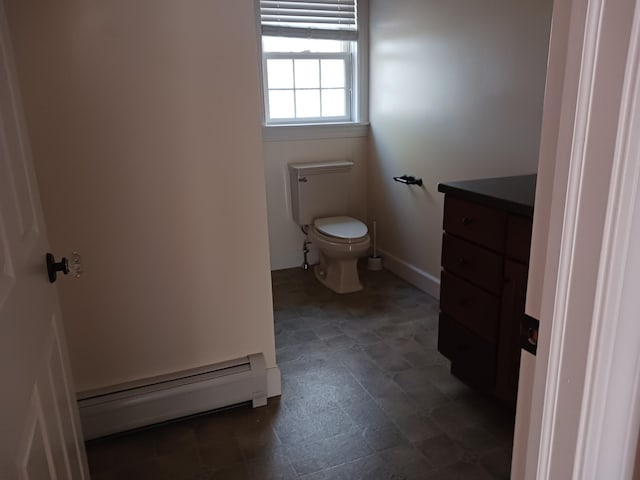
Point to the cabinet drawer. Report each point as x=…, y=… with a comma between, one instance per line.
x=512, y=311
x=472, y=359
x=519, y=238
x=477, y=223
x=472, y=307
x=470, y=262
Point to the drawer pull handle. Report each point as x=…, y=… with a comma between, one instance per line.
x=466, y=220
x=463, y=302
x=463, y=261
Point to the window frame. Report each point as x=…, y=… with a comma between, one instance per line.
x=347, y=56
x=358, y=126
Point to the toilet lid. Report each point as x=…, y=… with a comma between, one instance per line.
x=341, y=227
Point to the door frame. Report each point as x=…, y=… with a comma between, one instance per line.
x=585, y=418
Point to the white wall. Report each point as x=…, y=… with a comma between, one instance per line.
x=456, y=92
x=145, y=123
x=285, y=237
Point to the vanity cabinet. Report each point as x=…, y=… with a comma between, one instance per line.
x=485, y=255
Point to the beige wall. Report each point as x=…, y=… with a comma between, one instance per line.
x=145, y=123
x=285, y=237
x=456, y=92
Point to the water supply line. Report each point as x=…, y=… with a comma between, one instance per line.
x=305, y=247
x=305, y=252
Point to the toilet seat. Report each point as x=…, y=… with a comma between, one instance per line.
x=340, y=229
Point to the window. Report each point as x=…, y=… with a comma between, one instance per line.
x=309, y=61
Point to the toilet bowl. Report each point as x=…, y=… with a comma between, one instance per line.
x=341, y=241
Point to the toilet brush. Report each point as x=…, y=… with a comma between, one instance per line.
x=374, y=262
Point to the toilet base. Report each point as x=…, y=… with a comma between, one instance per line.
x=339, y=275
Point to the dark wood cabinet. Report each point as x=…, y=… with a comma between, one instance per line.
x=473, y=308
x=485, y=254
x=511, y=312
x=473, y=359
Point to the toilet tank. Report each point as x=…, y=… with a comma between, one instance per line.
x=319, y=189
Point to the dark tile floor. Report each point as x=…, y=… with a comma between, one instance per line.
x=365, y=395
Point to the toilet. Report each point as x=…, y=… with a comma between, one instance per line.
x=319, y=203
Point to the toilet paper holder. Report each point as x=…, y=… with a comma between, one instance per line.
x=408, y=180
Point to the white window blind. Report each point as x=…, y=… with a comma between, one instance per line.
x=325, y=19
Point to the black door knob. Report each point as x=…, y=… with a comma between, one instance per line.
x=53, y=266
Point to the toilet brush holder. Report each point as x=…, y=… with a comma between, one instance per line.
x=374, y=263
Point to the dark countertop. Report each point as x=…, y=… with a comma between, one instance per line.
x=513, y=194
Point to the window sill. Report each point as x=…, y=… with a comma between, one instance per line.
x=281, y=133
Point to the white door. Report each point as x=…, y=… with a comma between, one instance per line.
x=40, y=435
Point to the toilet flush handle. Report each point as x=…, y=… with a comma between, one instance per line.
x=302, y=179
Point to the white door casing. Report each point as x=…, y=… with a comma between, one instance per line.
x=610, y=414
x=40, y=434
x=587, y=374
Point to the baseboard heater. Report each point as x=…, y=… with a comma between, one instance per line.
x=153, y=400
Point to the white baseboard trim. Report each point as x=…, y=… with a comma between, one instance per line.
x=158, y=399
x=274, y=382
x=412, y=274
